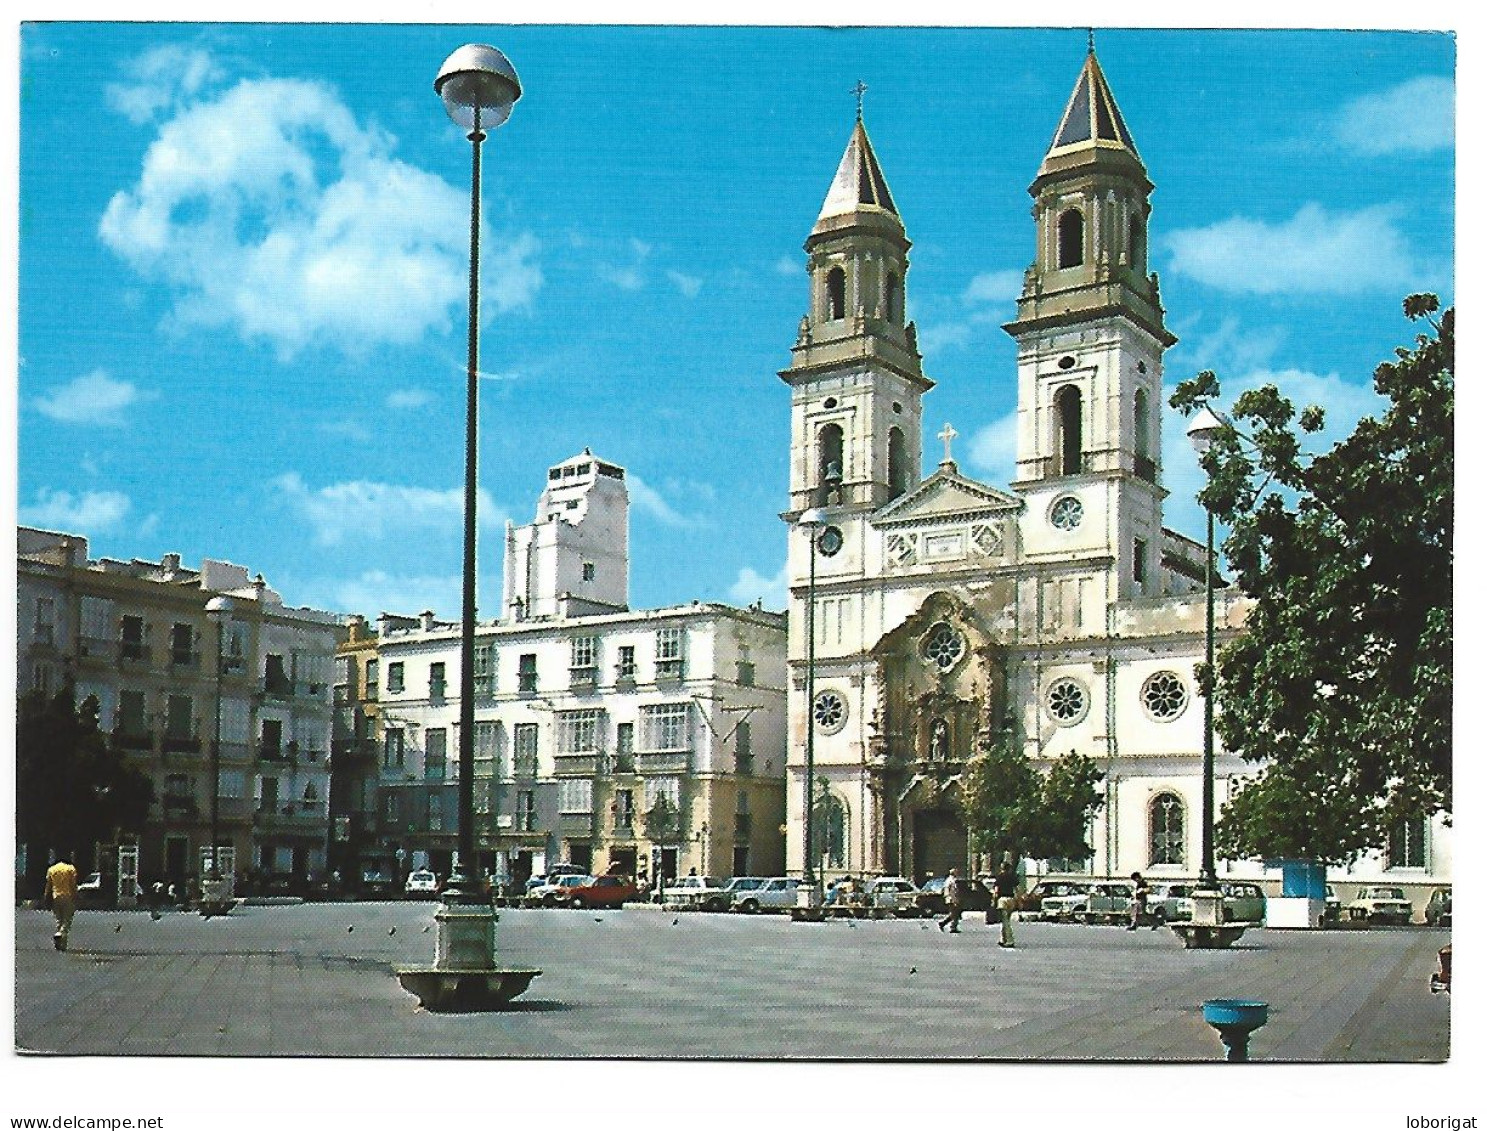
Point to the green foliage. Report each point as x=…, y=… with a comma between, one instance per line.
x=1341, y=682
x=1009, y=806
x=663, y=824
x=73, y=791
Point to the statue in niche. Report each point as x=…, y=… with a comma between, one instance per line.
x=939, y=741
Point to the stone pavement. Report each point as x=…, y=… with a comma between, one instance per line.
x=317, y=980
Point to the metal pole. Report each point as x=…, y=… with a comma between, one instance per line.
x=463, y=878
x=1209, y=876
x=212, y=872
x=809, y=876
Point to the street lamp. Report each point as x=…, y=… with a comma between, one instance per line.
x=811, y=521
x=219, y=612
x=1207, y=900
x=479, y=87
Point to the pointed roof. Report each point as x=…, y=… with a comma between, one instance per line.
x=1091, y=120
x=946, y=494
x=859, y=183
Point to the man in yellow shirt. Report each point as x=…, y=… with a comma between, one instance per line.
x=61, y=891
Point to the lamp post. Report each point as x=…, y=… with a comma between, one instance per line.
x=1207, y=899
x=213, y=894
x=478, y=86
x=811, y=522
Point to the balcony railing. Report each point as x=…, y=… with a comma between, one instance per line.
x=576, y=824
x=180, y=660
x=180, y=744
x=179, y=806
x=292, y=818
x=95, y=649
x=130, y=739
x=583, y=679
x=664, y=762
x=579, y=764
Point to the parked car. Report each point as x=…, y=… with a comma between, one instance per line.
x=1438, y=909
x=930, y=899
x=724, y=899
x=692, y=891
x=776, y=894
x=1382, y=905
x=421, y=884
x=555, y=893
x=377, y=884
x=1063, y=901
x=601, y=891
x=1031, y=903
x=551, y=876
x=894, y=894
x=1107, y=903
x=1166, y=899
x=1243, y=903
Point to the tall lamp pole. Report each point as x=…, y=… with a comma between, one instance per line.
x=219, y=611
x=479, y=86
x=1201, y=433
x=811, y=522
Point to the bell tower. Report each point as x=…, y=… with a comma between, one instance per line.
x=1090, y=338
x=855, y=374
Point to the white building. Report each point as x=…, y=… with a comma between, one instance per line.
x=587, y=713
x=1059, y=609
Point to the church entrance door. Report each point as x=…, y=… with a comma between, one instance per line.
x=939, y=843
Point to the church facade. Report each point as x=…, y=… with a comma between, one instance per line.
x=1059, y=612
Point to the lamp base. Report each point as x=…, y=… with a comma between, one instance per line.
x=464, y=976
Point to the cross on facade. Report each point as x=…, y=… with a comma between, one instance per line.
x=947, y=434
x=859, y=90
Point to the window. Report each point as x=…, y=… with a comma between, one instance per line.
x=271, y=738
x=898, y=463
x=435, y=753
x=944, y=646
x=1141, y=424
x=1069, y=409
x=1164, y=696
x=579, y=731
x=1168, y=836
x=390, y=807
x=234, y=660
x=524, y=755
x=526, y=673
x=836, y=294
x=526, y=811
x=435, y=813
x=575, y=795
x=485, y=669
x=46, y=618
x=393, y=750
x=1138, y=561
x=830, y=712
x=657, y=788
x=395, y=677
x=743, y=750
x=625, y=669
x=892, y=298
x=178, y=716
x=371, y=679
x=177, y=787
x=1070, y=239
x=132, y=638
x=624, y=748
x=181, y=652
x=1138, y=244
x=131, y=717
x=746, y=673
x=41, y=678
x=1067, y=701
x=436, y=680
x=1407, y=844
x=829, y=455
x=487, y=750
x=664, y=726
x=624, y=809
x=669, y=660
x=588, y=571
x=583, y=659
x=275, y=675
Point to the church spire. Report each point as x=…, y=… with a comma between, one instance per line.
x=859, y=184
x=1092, y=122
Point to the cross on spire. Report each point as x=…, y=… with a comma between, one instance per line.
x=859, y=90
x=1091, y=41
x=947, y=434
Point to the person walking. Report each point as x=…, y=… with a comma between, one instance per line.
x=1005, y=887
x=61, y=893
x=1139, y=895
x=952, y=903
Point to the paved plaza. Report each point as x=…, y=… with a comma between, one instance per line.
x=317, y=979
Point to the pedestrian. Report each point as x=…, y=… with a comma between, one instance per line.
x=1005, y=889
x=61, y=893
x=1139, y=894
x=952, y=903
x=156, y=898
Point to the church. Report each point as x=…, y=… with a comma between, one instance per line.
x=1058, y=612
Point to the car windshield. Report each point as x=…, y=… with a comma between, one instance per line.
x=1388, y=893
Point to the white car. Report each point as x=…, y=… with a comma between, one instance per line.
x=693, y=892
x=777, y=894
x=555, y=893
x=893, y=893
x=1243, y=903
x=1166, y=900
x=1382, y=905
x=421, y=884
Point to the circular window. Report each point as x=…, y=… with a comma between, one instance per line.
x=1141, y=367
x=943, y=647
x=1066, y=362
x=830, y=712
x=1068, y=701
x=829, y=542
x=1164, y=696
x=830, y=402
x=897, y=408
x=1066, y=513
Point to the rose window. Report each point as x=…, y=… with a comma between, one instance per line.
x=829, y=711
x=944, y=647
x=1164, y=696
x=1067, y=513
x=1067, y=701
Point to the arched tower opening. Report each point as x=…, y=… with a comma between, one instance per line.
x=898, y=463
x=1069, y=411
x=836, y=294
x=1070, y=238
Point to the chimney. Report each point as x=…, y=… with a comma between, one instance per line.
x=426, y=620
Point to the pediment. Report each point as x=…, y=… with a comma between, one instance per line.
x=946, y=495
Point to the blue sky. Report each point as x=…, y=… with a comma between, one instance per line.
x=243, y=254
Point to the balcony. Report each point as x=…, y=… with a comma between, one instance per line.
x=292, y=819
x=179, y=744
x=133, y=653
x=347, y=752
x=179, y=808
x=578, y=764
x=622, y=764
x=95, y=650
x=576, y=825
x=664, y=762
x=233, y=753
x=128, y=738
x=180, y=661
x=624, y=826
x=583, y=681
x=670, y=671
x=274, y=753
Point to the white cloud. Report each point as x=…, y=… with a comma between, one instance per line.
x=938, y=336
x=93, y=398
x=1314, y=252
x=92, y=512
x=689, y=285
x=993, y=449
x=1230, y=348
x=376, y=591
x=269, y=209
x=409, y=398
x=648, y=500
x=365, y=510
x=999, y=287
x=788, y=265
x=347, y=429
x=159, y=80
x=752, y=586
x=1417, y=116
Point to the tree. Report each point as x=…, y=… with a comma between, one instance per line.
x=1009, y=807
x=663, y=823
x=1340, y=685
x=73, y=790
